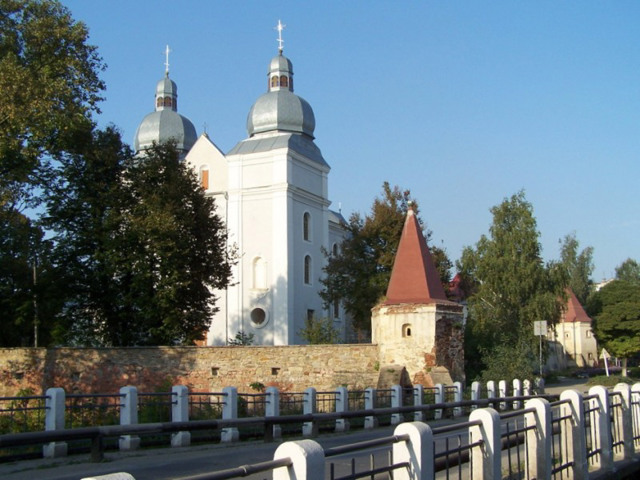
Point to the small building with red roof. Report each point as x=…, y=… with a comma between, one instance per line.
x=416, y=326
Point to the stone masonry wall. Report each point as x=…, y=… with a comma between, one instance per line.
x=105, y=370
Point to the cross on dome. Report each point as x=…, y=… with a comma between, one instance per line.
x=166, y=62
x=279, y=28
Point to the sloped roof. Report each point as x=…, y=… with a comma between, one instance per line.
x=414, y=278
x=574, y=312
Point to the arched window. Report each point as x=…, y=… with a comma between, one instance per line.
x=284, y=81
x=159, y=102
x=307, y=270
x=306, y=226
x=259, y=273
x=274, y=81
x=406, y=330
x=204, y=178
x=168, y=102
x=336, y=309
x=334, y=250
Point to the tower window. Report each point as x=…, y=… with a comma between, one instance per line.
x=258, y=316
x=204, y=178
x=168, y=102
x=406, y=330
x=334, y=250
x=306, y=226
x=336, y=309
x=159, y=102
x=274, y=81
x=284, y=81
x=307, y=270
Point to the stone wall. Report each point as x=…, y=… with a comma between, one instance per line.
x=105, y=370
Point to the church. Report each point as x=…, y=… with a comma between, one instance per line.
x=271, y=191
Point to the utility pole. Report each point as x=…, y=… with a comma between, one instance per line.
x=35, y=303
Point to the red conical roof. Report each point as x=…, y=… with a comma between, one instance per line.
x=575, y=312
x=414, y=278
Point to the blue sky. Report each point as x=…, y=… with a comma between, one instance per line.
x=464, y=103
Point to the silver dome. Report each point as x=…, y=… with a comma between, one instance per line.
x=280, y=109
x=162, y=126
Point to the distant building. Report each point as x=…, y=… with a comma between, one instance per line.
x=572, y=341
x=271, y=190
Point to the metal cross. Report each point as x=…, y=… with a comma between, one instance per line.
x=166, y=63
x=280, y=27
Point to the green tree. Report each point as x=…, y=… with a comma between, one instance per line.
x=137, y=244
x=359, y=274
x=319, y=331
x=510, y=288
x=28, y=303
x=50, y=87
x=579, y=267
x=629, y=271
x=615, y=310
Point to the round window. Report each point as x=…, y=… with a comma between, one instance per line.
x=258, y=316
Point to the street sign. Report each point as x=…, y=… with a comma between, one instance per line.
x=540, y=328
x=604, y=354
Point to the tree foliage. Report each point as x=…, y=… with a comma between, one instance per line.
x=138, y=246
x=319, y=331
x=579, y=267
x=50, y=86
x=359, y=274
x=628, y=271
x=511, y=288
x=615, y=310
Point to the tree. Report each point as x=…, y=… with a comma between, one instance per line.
x=510, y=289
x=579, y=267
x=358, y=275
x=137, y=244
x=28, y=302
x=50, y=87
x=319, y=331
x=629, y=271
x=615, y=310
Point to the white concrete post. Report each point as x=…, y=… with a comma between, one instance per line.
x=538, y=441
x=129, y=416
x=486, y=457
x=502, y=393
x=54, y=420
x=439, y=398
x=601, y=437
x=517, y=392
x=180, y=413
x=309, y=429
x=539, y=387
x=572, y=430
x=307, y=457
x=370, y=404
x=475, y=393
x=418, y=398
x=526, y=388
x=342, y=405
x=230, y=412
x=417, y=451
x=635, y=415
x=396, y=401
x=112, y=476
x=491, y=391
x=273, y=409
x=457, y=397
x=623, y=422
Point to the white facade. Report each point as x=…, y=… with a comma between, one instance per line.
x=271, y=190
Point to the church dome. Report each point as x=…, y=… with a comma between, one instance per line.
x=280, y=109
x=165, y=123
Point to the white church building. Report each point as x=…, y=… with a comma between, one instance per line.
x=271, y=190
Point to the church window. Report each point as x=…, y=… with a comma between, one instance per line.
x=336, y=309
x=334, y=250
x=307, y=270
x=406, y=330
x=159, y=102
x=167, y=102
x=259, y=273
x=310, y=315
x=284, y=81
x=274, y=81
x=589, y=333
x=204, y=178
x=258, y=316
x=306, y=226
